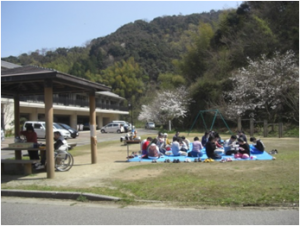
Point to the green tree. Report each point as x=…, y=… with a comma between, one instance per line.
x=170, y=81
x=194, y=62
x=126, y=79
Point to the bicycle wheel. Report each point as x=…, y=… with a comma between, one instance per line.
x=64, y=164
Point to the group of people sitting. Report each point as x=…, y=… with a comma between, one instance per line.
x=154, y=148
x=236, y=145
x=214, y=146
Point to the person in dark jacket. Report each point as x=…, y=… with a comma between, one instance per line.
x=243, y=135
x=244, y=149
x=258, y=144
x=205, y=138
x=210, y=148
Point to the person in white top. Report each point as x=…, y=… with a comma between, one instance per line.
x=230, y=145
x=175, y=147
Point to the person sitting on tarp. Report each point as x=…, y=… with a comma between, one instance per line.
x=175, y=147
x=196, y=148
x=182, y=144
x=145, y=146
x=242, y=135
x=244, y=149
x=211, y=147
x=161, y=143
x=168, y=142
x=258, y=144
x=184, y=139
x=205, y=138
x=219, y=147
x=230, y=145
x=176, y=135
x=153, y=150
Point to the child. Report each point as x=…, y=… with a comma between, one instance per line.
x=197, y=147
x=230, y=145
x=258, y=144
x=145, y=146
x=244, y=149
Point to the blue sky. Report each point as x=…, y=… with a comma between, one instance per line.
x=28, y=26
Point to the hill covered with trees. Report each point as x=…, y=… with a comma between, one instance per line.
x=198, y=51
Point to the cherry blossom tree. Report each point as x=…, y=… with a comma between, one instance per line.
x=166, y=106
x=267, y=85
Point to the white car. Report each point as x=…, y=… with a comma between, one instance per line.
x=150, y=125
x=40, y=129
x=2, y=134
x=113, y=127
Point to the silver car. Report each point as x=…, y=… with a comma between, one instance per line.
x=113, y=127
x=150, y=125
x=2, y=134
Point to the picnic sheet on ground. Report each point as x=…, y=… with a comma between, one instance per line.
x=256, y=155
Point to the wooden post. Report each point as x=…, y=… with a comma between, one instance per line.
x=48, y=92
x=93, y=128
x=239, y=123
x=18, y=154
x=280, y=130
x=265, y=128
x=170, y=125
x=251, y=127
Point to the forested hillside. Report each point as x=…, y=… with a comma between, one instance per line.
x=128, y=59
x=199, y=51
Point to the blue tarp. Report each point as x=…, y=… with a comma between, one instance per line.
x=256, y=155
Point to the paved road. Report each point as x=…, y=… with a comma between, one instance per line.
x=84, y=136
x=82, y=139
x=36, y=211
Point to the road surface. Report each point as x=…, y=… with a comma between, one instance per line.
x=61, y=212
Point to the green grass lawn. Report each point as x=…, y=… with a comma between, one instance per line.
x=240, y=183
x=247, y=183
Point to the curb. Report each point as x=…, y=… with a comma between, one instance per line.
x=57, y=195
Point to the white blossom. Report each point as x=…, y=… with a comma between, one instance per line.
x=264, y=84
x=167, y=105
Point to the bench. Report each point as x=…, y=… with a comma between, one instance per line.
x=27, y=164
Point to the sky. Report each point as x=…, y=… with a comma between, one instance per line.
x=27, y=26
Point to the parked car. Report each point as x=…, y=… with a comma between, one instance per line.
x=2, y=134
x=74, y=133
x=127, y=126
x=40, y=129
x=86, y=126
x=150, y=125
x=112, y=128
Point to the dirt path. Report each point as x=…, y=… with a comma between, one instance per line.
x=83, y=174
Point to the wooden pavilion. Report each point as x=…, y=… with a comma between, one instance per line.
x=31, y=80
